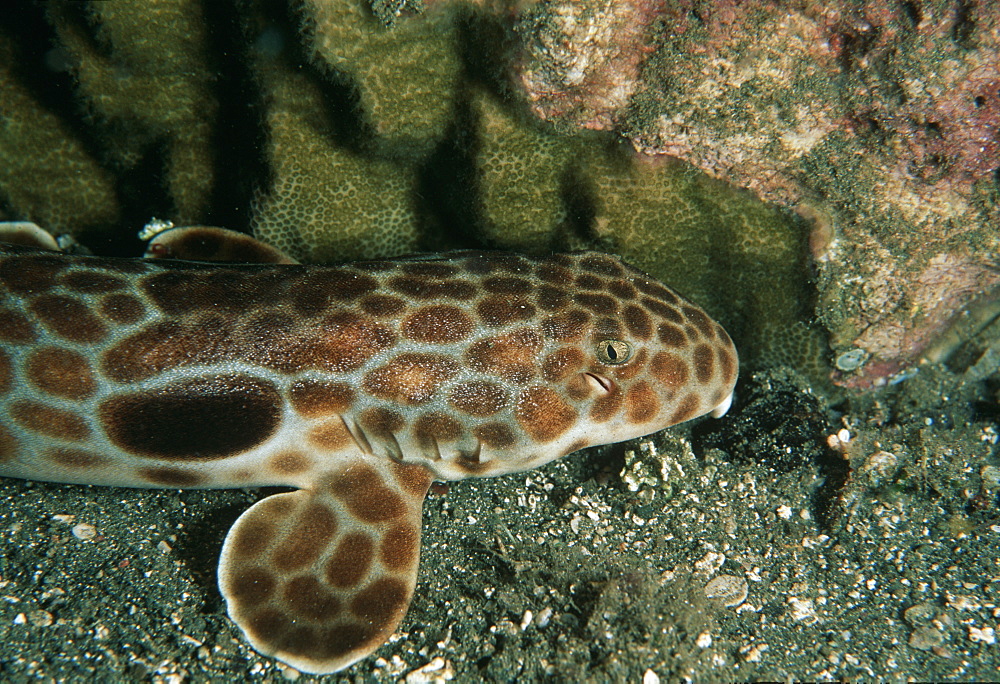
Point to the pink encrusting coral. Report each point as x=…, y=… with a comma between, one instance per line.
x=880, y=122
x=955, y=136
x=931, y=79
x=718, y=93
x=944, y=289
x=580, y=61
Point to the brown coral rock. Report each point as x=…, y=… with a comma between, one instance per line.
x=580, y=61
x=883, y=119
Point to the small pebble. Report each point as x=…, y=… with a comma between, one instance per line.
x=84, y=531
x=926, y=638
x=710, y=563
x=880, y=466
x=991, y=477
x=851, y=360
x=526, y=619
x=40, y=618
x=438, y=670
x=752, y=654
x=803, y=610
x=289, y=673
x=728, y=590
x=987, y=635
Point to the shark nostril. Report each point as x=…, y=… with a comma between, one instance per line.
x=600, y=382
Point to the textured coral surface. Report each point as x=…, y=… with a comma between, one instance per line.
x=878, y=121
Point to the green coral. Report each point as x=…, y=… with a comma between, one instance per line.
x=327, y=203
x=520, y=172
x=144, y=77
x=46, y=175
x=405, y=79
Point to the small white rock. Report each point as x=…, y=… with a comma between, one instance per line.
x=803, y=610
x=987, y=635
x=289, y=673
x=526, y=619
x=84, y=531
x=728, y=590
x=752, y=654
x=710, y=563
x=40, y=618
x=438, y=670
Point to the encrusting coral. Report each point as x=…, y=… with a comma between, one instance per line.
x=405, y=79
x=520, y=172
x=324, y=201
x=879, y=122
x=580, y=61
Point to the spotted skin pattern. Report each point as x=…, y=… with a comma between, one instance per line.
x=358, y=385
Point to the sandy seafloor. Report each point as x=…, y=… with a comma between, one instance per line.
x=564, y=574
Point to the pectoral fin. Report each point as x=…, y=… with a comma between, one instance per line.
x=320, y=578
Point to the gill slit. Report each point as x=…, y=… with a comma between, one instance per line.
x=358, y=435
x=475, y=456
x=437, y=456
x=394, y=448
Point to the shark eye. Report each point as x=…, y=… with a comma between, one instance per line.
x=614, y=352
